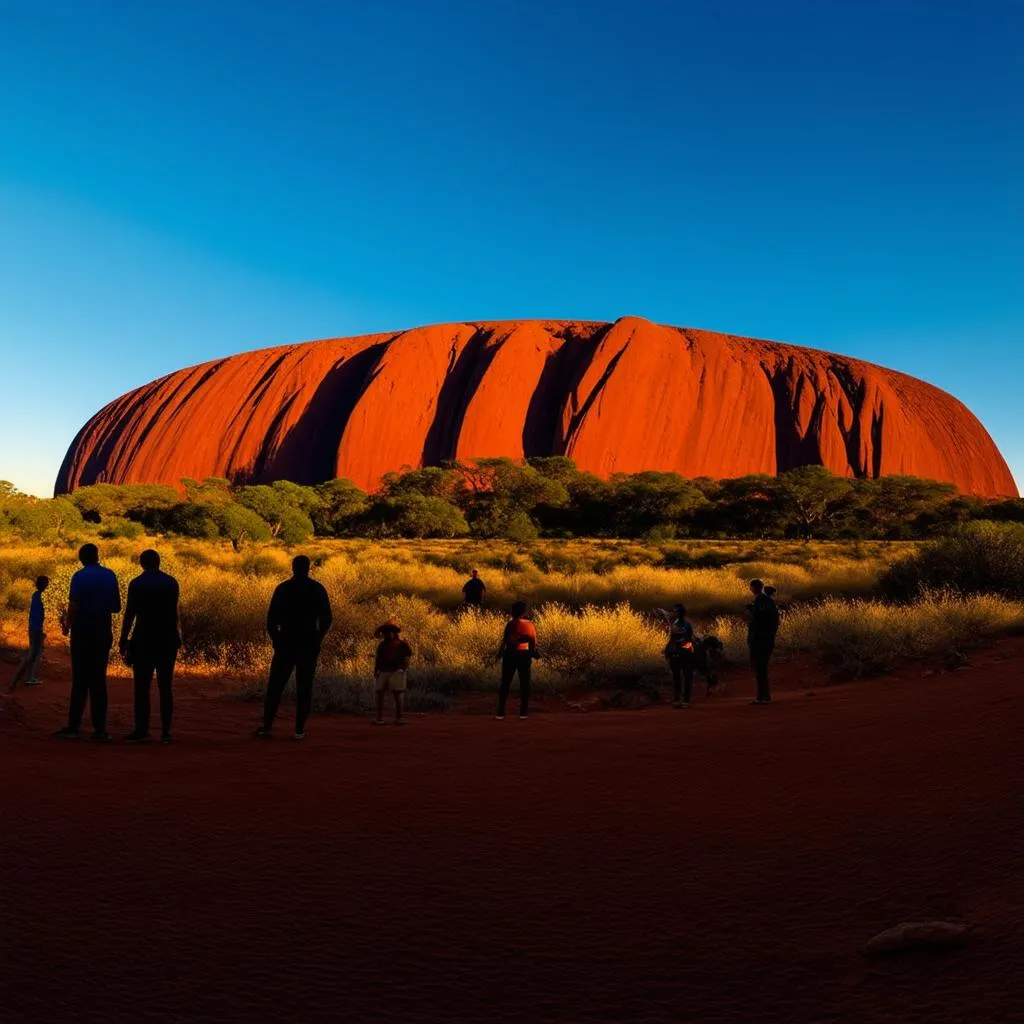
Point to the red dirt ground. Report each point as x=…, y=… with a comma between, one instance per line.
x=722, y=864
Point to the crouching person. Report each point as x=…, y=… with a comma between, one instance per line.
x=390, y=669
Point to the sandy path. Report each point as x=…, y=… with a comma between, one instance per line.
x=724, y=864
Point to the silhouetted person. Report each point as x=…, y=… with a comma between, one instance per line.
x=36, y=636
x=94, y=597
x=152, y=646
x=473, y=590
x=298, y=620
x=764, y=624
x=389, y=669
x=517, y=651
x=680, y=655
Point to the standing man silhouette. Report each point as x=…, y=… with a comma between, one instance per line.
x=517, y=651
x=473, y=590
x=152, y=608
x=298, y=620
x=94, y=598
x=764, y=624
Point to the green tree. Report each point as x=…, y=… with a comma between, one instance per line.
x=295, y=526
x=746, y=506
x=429, y=482
x=214, y=490
x=34, y=518
x=341, y=504
x=299, y=496
x=813, y=498
x=497, y=489
x=897, y=502
x=239, y=524
x=187, y=519
x=644, y=501
x=414, y=515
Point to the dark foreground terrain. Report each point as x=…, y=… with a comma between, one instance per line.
x=722, y=864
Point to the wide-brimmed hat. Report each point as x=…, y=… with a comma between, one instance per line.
x=391, y=626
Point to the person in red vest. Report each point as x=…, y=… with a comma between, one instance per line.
x=517, y=651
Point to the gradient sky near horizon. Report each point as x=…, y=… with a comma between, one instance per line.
x=180, y=181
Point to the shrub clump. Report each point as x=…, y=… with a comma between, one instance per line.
x=980, y=558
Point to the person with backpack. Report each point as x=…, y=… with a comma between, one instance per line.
x=761, y=632
x=517, y=652
x=679, y=652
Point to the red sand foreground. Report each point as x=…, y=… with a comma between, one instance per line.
x=722, y=864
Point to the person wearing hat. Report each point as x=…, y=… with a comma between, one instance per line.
x=679, y=653
x=389, y=669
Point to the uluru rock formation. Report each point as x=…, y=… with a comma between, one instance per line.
x=618, y=397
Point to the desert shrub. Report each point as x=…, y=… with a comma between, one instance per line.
x=223, y=616
x=597, y=646
x=17, y=595
x=115, y=526
x=979, y=558
x=859, y=638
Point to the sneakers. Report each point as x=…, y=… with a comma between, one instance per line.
x=500, y=718
x=299, y=735
x=67, y=733
x=137, y=737
x=524, y=716
x=760, y=701
x=102, y=737
x=263, y=733
x=166, y=739
x=379, y=721
x=32, y=682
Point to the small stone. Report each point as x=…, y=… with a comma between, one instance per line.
x=917, y=935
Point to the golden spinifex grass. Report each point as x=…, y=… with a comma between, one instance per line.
x=594, y=603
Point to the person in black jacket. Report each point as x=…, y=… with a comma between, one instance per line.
x=152, y=646
x=473, y=591
x=298, y=620
x=764, y=624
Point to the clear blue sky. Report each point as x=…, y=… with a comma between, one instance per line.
x=181, y=180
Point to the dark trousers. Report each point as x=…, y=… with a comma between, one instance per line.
x=302, y=661
x=682, y=678
x=144, y=664
x=510, y=666
x=760, y=654
x=27, y=669
x=89, y=656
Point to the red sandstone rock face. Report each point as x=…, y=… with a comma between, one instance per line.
x=616, y=397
